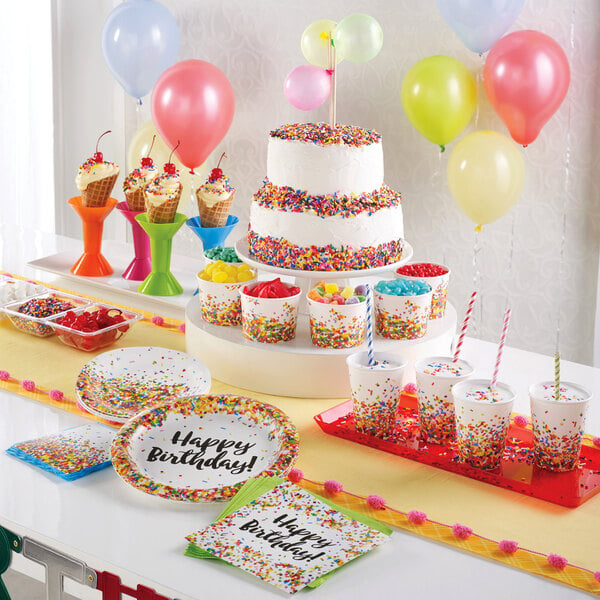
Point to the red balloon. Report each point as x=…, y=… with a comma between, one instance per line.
x=193, y=104
x=526, y=77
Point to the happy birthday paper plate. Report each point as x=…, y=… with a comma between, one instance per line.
x=118, y=384
x=204, y=448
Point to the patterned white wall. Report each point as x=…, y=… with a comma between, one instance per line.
x=257, y=42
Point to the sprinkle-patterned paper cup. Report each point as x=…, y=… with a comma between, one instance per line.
x=337, y=325
x=435, y=377
x=482, y=421
x=375, y=391
x=220, y=302
x=439, y=286
x=557, y=425
x=401, y=317
x=269, y=320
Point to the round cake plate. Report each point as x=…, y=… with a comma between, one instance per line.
x=241, y=247
x=156, y=374
x=298, y=368
x=203, y=448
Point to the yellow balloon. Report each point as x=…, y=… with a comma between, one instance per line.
x=485, y=175
x=139, y=146
x=315, y=43
x=439, y=97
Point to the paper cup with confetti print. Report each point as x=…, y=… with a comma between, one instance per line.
x=400, y=316
x=337, y=325
x=482, y=421
x=220, y=302
x=437, y=276
x=435, y=377
x=557, y=424
x=375, y=391
x=269, y=320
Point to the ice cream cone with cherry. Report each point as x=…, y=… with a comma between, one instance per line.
x=137, y=180
x=215, y=198
x=96, y=179
x=162, y=194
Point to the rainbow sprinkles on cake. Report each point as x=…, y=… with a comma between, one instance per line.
x=324, y=205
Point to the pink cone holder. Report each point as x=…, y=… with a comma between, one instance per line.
x=141, y=265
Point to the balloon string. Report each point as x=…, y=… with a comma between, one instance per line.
x=443, y=222
x=563, y=237
x=478, y=83
x=477, y=281
x=331, y=69
x=192, y=186
x=138, y=112
x=511, y=253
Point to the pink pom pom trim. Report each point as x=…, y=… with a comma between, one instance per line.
x=597, y=576
x=462, y=532
x=157, y=320
x=376, y=502
x=596, y=441
x=508, y=546
x=417, y=517
x=4, y=375
x=410, y=388
x=333, y=487
x=521, y=421
x=28, y=385
x=182, y=328
x=295, y=475
x=56, y=395
x=555, y=560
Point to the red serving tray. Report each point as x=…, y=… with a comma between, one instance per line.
x=516, y=472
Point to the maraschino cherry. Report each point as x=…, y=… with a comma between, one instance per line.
x=98, y=156
x=169, y=167
x=147, y=162
x=217, y=173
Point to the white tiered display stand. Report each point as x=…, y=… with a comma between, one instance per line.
x=298, y=368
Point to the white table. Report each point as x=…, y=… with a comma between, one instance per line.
x=116, y=528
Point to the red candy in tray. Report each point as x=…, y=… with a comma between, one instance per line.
x=422, y=270
x=272, y=289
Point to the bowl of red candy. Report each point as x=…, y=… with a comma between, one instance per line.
x=436, y=275
x=93, y=327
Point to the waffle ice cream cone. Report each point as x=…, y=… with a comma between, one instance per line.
x=214, y=215
x=136, y=200
x=165, y=211
x=98, y=192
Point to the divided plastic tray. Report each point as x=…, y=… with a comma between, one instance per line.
x=516, y=472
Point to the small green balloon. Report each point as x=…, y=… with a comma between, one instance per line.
x=358, y=38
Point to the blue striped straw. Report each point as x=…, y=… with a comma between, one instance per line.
x=370, y=351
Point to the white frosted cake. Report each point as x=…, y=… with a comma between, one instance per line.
x=324, y=205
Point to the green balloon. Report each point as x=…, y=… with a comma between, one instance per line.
x=358, y=38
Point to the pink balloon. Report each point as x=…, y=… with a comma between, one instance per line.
x=307, y=86
x=193, y=104
x=526, y=77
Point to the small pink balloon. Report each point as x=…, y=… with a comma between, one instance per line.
x=307, y=86
x=526, y=77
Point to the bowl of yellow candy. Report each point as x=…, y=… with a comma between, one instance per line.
x=219, y=286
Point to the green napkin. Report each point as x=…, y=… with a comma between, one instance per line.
x=253, y=489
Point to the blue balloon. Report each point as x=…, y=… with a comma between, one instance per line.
x=140, y=39
x=480, y=23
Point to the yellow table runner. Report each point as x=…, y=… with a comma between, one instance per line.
x=493, y=514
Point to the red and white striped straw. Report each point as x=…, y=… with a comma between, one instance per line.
x=500, y=348
x=461, y=337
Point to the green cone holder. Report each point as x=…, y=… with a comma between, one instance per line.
x=160, y=281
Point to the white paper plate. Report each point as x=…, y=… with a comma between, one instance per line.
x=203, y=448
x=118, y=384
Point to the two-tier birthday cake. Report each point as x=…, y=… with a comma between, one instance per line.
x=323, y=205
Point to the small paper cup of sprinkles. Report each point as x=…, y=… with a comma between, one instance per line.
x=435, y=377
x=402, y=308
x=558, y=424
x=376, y=391
x=219, y=292
x=337, y=315
x=482, y=421
x=270, y=311
x=437, y=276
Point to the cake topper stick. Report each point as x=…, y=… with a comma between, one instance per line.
x=500, y=348
x=331, y=69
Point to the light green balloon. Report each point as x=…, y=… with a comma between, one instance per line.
x=315, y=43
x=358, y=38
